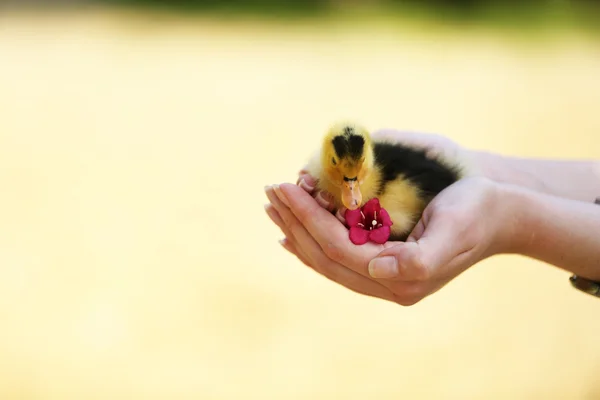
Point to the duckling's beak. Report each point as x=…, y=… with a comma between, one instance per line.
x=351, y=196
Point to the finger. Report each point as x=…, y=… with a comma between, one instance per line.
x=340, y=215
x=399, y=262
x=325, y=200
x=349, y=279
x=294, y=228
x=303, y=171
x=410, y=293
x=417, y=231
x=426, y=257
x=307, y=183
x=319, y=260
x=355, y=282
x=444, y=239
x=338, y=273
x=276, y=218
x=327, y=231
x=274, y=215
x=291, y=247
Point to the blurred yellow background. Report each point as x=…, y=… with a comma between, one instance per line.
x=136, y=260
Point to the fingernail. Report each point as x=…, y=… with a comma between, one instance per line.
x=269, y=210
x=267, y=187
x=281, y=196
x=384, y=267
x=322, y=200
x=286, y=245
x=305, y=185
x=340, y=215
x=310, y=180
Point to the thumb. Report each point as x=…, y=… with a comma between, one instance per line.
x=419, y=258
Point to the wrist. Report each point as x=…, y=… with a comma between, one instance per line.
x=514, y=225
x=552, y=230
x=525, y=212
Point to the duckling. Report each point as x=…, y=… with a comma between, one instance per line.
x=354, y=168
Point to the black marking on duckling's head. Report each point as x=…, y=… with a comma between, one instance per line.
x=430, y=175
x=349, y=145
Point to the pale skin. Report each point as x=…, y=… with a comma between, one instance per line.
x=541, y=209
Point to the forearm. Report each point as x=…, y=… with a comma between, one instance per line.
x=577, y=180
x=558, y=231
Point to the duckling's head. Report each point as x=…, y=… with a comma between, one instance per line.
x=347, y=159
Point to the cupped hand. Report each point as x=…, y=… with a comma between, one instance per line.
x=464, y=224
x=321, y=241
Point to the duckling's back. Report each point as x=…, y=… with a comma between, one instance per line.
x=408, y=181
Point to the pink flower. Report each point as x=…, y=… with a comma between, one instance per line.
x=370, y=222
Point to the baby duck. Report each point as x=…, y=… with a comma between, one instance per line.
x=355, y=168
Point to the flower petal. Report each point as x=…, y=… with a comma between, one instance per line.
x=371, y=207
x=380, y=235
x=384, y=218
x=359, y=235
x=353, y=217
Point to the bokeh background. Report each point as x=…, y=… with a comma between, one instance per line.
x=136, y=261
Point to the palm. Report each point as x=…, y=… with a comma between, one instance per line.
x=446, y=240
x=336, y=242
x=339, y=247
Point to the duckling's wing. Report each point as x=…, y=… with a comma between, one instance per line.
x=431, y=175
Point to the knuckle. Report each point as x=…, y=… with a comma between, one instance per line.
x=305, y=262
x=304, y=215
x=413, y=269
x=334, y=253
x=408, y=294
x=323, y=268
x=420, y=271
x=340, y=217
x=322, y=200
x=310, y=180
x=292, y=223
x=406, y=301
x=307, y=183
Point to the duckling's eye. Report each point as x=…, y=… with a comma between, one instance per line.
x=333, y=161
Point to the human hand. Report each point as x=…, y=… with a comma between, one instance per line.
x=464, y=224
